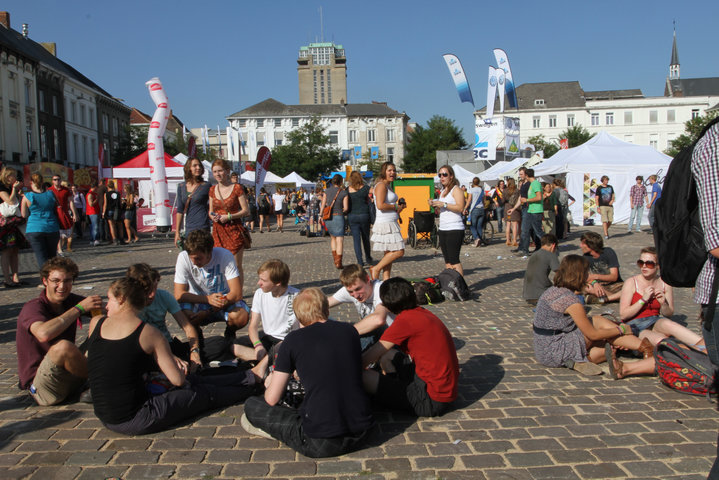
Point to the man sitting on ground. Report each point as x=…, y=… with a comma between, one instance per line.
x=604, y=282
x=271, y=309
x=364, y=294
x=335, y=416
x=50, y=365
x=425, y=384
x=207, y=284
x=161, y=303
x=540, y=265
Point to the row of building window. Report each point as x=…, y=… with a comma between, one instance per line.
x=609, y=118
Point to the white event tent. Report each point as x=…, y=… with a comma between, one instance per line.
x=604, y=155
x=248, y=178
x=295, y=178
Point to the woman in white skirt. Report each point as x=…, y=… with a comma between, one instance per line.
x=386, y=235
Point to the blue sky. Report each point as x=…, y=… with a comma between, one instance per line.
x=219, y=57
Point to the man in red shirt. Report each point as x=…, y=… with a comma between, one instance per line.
x=426, y=384
x=50, y=365
x=63, y=196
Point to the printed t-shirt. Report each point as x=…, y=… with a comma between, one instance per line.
x=154, y=314
x=604, y=195
x=212, y=278
x=604, y=262
x=278, y=317
x=423, y=336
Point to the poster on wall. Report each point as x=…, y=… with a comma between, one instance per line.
x=485, y=141
x=47, y=170
x=589, y=201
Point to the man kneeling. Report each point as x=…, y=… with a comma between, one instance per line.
x=335, y=416
x=427, y=383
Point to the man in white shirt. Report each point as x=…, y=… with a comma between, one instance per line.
x=207, y=284
x=359, y=290
x=272, y=310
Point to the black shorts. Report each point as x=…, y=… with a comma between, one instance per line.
x=406, y=391
x=450, y=241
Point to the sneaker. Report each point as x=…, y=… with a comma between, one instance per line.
x=86, y=396
x=606, y=237
x=251, y=429
x=96, y=243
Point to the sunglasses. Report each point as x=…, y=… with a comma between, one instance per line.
x=443, y=174
x=648, y=264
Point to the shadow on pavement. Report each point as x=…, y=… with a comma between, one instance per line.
x=503, y=278
x=11, y=430
x=477, y=377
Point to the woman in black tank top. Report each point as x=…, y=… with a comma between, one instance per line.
x=122, y=349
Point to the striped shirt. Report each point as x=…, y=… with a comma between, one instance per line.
x=637, y=194
x=705, y=167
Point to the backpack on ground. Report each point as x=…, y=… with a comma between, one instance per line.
x=427, y=291
x=678, y=233
x=684, y=369
x=453, y=286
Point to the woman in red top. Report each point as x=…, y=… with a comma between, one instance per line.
x=228, y=205
x=647, y=302
x=92, y=209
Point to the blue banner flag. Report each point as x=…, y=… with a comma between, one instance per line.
x=358, y=153
x=460, y=79
x=374, y=153
x=503, y=64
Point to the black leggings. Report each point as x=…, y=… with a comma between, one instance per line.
x=450, y=241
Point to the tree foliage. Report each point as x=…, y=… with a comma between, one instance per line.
x=308, y=152
x=440, y=134
x=692, y=129
x=576, y=135
x=540, y=143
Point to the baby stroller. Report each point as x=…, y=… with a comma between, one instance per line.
x=422, y=228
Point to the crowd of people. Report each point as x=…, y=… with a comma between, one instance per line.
x=318, y=401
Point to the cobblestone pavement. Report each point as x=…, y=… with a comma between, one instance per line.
x=514, y=419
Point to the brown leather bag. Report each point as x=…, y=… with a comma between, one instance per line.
x=327, y=211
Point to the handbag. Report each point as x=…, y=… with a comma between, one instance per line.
x=181, y=242
x=9, y=210
x=327, y=211
x=62, y=217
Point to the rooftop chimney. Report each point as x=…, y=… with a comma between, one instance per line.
x=5, y=19
x=24, y=30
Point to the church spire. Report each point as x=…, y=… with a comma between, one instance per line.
x=674, y=63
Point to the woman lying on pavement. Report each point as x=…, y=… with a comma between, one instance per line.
x=122, y=347
x=565, y=336
x=647, y=302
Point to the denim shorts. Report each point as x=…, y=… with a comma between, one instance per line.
x=644, y=322
x=336, y=226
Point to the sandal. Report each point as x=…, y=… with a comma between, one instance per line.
x=616, y=367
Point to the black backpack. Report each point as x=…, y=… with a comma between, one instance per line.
x=453, y=285
x=678, y=234
x=427, y=292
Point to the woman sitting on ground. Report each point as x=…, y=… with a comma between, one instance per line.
x=565, y=336
x=647, y=302
x=122, y=348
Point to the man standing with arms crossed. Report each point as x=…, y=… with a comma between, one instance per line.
x=653, y=197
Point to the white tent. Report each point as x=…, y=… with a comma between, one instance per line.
x=499, y=170
x=181, y=158
x=295, y=178
x=463, y=176
x=604, y=155
x=531, y=162
x=248, y=178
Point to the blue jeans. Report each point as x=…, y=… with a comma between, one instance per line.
x=477, y=218
x=644, y=322
x=44, y=245
x=637, y=213
x=531, y=228
x=499, y=214
x=94, y=232
x=359, y=226
x=651, y=215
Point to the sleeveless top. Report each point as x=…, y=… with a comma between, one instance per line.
x=42, y=217
x=90, y=209
x=387, y=217
x=115, y=370
x=449, y=220
x=649, y=309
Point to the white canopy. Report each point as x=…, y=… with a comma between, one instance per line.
x=499, y=170
x=604, y=154
x=463, y=176
x=295, y=178
x=248, y=178
x=181, y=158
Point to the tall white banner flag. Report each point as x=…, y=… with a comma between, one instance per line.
x=156, y=155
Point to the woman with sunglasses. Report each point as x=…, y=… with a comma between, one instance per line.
x=451, y=223
x=647, y=302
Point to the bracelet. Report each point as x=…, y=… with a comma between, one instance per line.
x=592, y=282
x=80, y=309
x=229, y=217
x=260, y=346
x=641, y=301
x=622, y=329
x=258, y=342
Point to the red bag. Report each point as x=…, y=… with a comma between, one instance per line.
x=63, y=218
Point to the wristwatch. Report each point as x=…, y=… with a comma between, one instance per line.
x=445, y=204
x=195, y=350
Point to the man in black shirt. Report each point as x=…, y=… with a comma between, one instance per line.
x=335, y=416
x=604, y=282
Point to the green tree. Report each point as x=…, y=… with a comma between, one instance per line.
x=421, y=152
x=373, y=165
x=692, y=129
x=134, y=142
x=576, y=135
x=308, y=152
x=540, y=143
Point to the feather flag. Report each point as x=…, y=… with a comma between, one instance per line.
x=459, y=77
x=491, y=93
x=503, y=64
